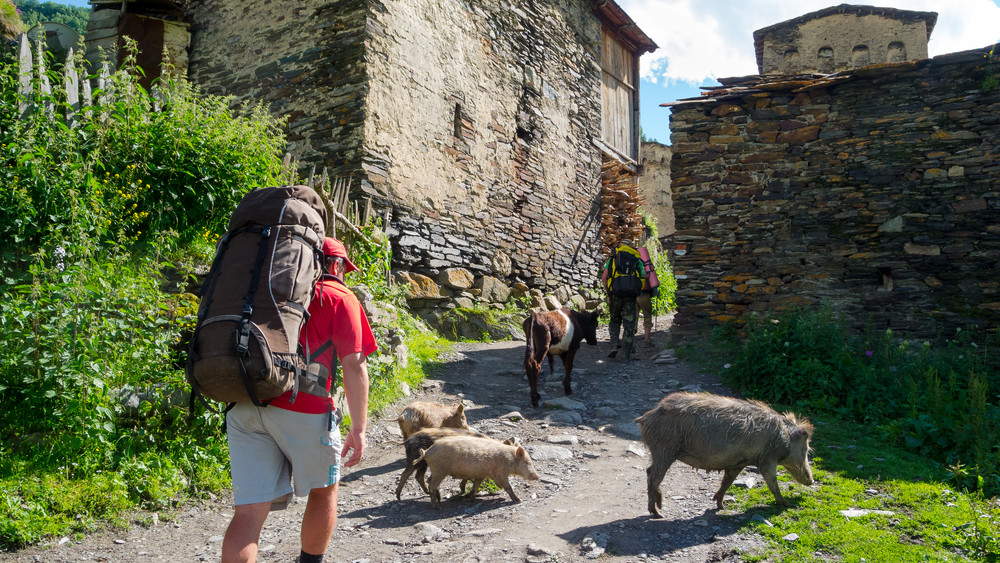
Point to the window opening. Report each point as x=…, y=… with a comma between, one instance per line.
x=885, y=279
x=825, y=56
x=896, y=52
x=860, y=56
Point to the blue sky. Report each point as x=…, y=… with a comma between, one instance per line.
x=701, y=40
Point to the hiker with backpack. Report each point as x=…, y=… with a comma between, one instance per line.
x=295, y=439
x=622, y=279
x=650, y=289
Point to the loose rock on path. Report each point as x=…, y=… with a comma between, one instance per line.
x=590, y=502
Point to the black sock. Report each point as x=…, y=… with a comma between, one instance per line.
x=310, y=558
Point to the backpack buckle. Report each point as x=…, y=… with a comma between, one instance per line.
x=243, y=342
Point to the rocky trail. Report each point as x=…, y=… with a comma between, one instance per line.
x=589, y=504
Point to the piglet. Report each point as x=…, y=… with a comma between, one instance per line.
x=419, y=441
x=718, y=433
x=421, y=414
x=475, y=459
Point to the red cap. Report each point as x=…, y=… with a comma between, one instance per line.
x=333, y=247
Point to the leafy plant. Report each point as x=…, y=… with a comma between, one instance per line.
x=665, y=300
x=934, y=400
x=120, y=172
x=11, y=21
x=89, y=357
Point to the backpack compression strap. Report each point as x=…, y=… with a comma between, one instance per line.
x=243, y=341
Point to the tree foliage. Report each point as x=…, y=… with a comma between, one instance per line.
x=33, y=12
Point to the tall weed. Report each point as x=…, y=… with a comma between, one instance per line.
x=89, y=340
x=665, y=299
x=121, y=172
x=937, y=400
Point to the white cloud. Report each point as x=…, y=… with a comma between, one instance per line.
x=701, y=40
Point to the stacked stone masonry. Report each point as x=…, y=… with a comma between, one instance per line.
x=879, y=193
x=473, y=122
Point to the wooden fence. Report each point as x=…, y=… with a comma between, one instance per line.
x=32, y=74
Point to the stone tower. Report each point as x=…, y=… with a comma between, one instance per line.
x=843, y=37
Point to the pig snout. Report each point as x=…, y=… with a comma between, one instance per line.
x=523, y=465
x=801, y=472
x=797, y=462
x=530, y=474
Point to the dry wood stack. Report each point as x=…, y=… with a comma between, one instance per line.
x=620, y=201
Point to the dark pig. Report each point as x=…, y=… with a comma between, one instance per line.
x=420, y=414
x=718, y=433
x=475, y=459
x=422, y=440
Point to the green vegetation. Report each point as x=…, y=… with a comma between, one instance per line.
x=482, y=323
x=908, y=428
x=912, y=514
x=990, y=81
x=664, y=301
x=934, y=401
x=33, y=12
x=10, y=20
x=103, y=218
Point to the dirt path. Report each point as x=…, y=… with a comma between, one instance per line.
x=590, y=502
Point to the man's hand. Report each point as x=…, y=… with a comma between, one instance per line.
x=355, y=441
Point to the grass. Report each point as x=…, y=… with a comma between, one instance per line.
x=854, y=470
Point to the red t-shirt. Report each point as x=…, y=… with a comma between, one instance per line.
x=335, y=315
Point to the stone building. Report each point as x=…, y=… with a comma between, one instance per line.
x=843, y=37
x=875, y=189
x=479, y=126
x=158, y=26
x=654, y=186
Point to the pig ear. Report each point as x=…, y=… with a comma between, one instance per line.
x=520, y=452
x=802, y=433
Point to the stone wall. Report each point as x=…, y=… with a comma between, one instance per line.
x=878, y=192
x=480, y=134
x=475, y=126
x=852, y=40
x=654, y=186
x=302, y=60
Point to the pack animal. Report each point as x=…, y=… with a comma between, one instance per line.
x=421, y=414
x=475, y=459
x=717, y=433
x=556, y=333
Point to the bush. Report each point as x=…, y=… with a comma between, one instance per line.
x=934, y=400
x=124, y=172
x=98, y=210
x=94, y=206
x=665, y=300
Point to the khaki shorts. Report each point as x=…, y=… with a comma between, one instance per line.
x=270, y=448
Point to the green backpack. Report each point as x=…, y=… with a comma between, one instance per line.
x=626, y=273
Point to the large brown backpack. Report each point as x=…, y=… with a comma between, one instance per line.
x=255, y=298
